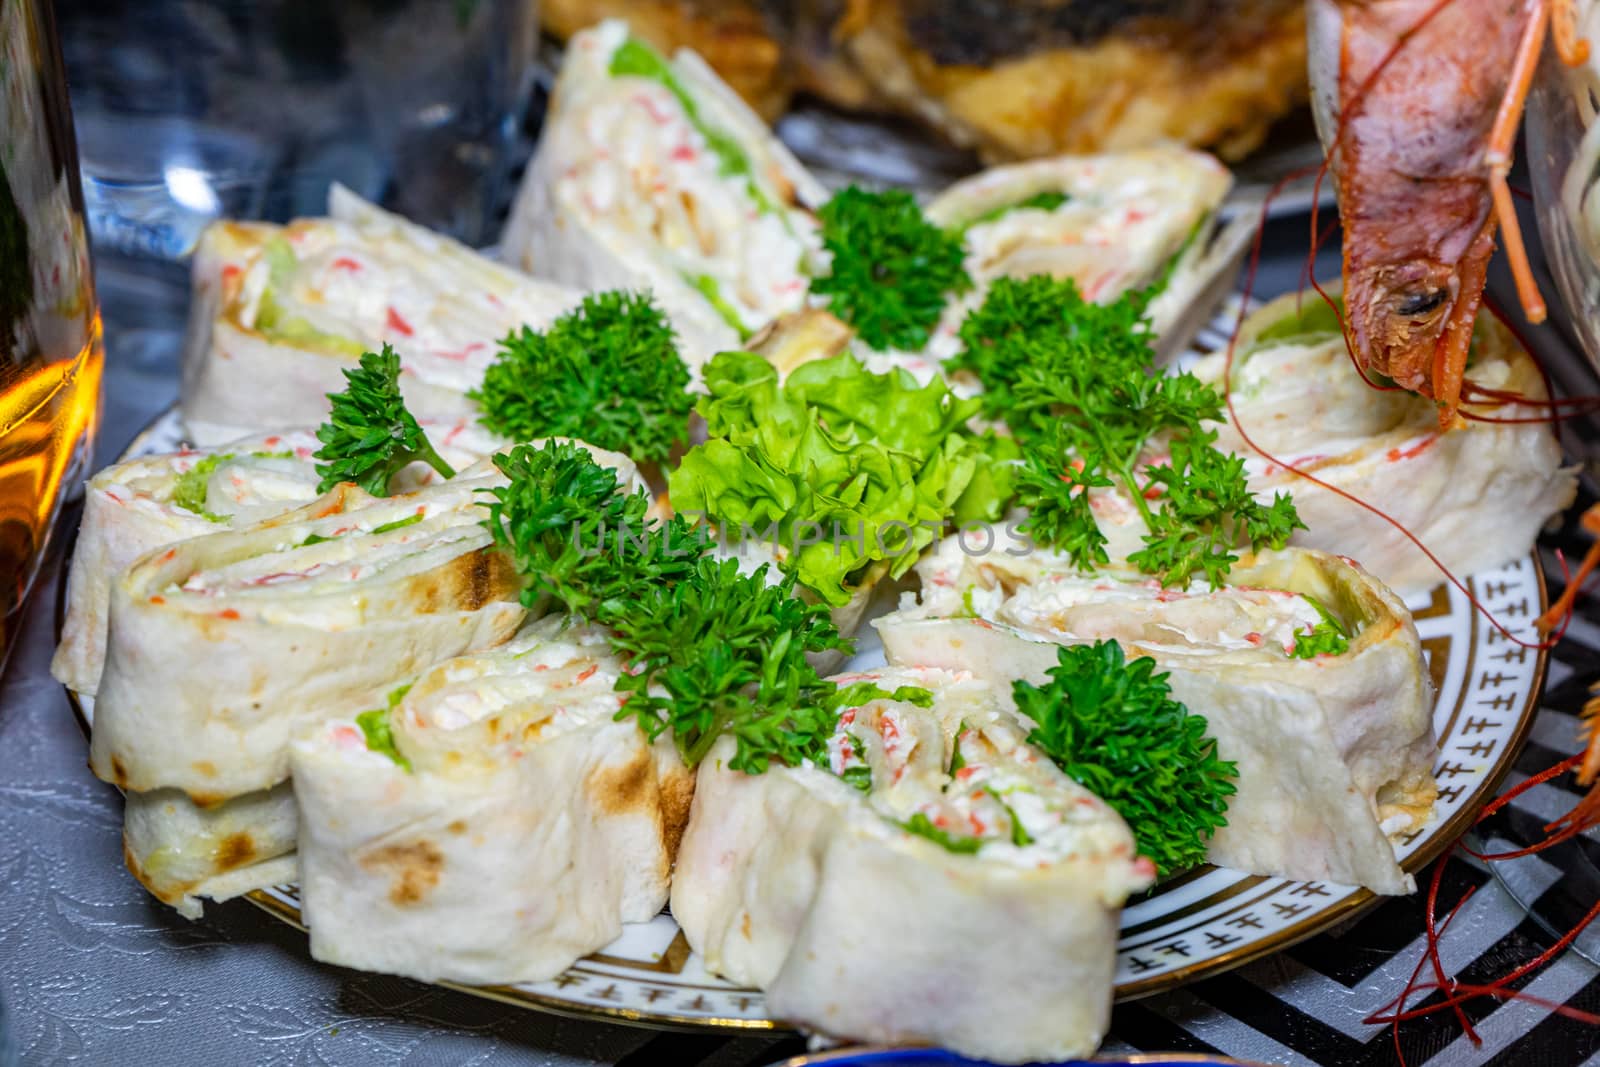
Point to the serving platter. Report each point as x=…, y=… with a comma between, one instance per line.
x=1191, y=926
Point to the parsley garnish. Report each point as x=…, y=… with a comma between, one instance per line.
x=923, y=826
x=711, y=652
x=892, y=269
x=370, y=436
x=1207, y=510
x=1114, y=728
x=1329, y=637
x=575, y=537
x=607, y=373
x=719, y=652
x=1073, y=380
x=189, y=491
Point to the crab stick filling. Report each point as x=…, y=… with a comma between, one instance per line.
x=651, y=173
x=963, y=775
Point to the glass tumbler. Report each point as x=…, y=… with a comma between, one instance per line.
x=191, y=110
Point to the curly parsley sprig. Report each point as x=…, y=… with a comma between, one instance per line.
x=1072, y=379
x=575, y=536
x=721, y=652
x=1112, y=726
x=607, y=373
x=370, y=436
x=892, y=270
x=711, y=652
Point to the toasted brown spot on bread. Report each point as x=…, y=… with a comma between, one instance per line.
x=236, y=850
x=414, y=868
x=677, y=793
x=457, y=827
x=466, y=583
x=618, y=788
x=205, y=767
x=208, y=800
x=119, y=773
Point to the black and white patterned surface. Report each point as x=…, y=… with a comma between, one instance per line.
x=93, y=971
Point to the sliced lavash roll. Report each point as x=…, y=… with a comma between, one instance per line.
x=806, y=881
x=182, y=852
x=279, y=312
x=508, y=828
x=1476, y=495
x=1111, y=223
x=652, y=174
x=293, y=619
x=1335, y=752
x=202, y=835
x=219, y=648
x=139, y=505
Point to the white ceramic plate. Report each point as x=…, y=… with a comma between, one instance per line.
x=1191, y=926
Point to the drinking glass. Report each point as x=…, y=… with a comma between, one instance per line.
x=50, y=353
x=191, y=110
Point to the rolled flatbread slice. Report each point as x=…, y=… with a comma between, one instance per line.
x=1111, y=223
x=181, y=852
x=1334, y=752
x=1476, y=495
x=279, y=311
x=652, y=174
x=221, y=647
x=506, y=826
x=139, y=505
x=888, y=898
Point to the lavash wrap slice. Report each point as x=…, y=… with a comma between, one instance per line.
x=291, y=630
x=136, y=506
x=278, y=312
x=797, y=882
x=221, y=647
x=1476, y=495
x=1111, y=223
x=525, y=827
x=1335, y=753
x=183, y=846
x=1128, y=220
x=182, y=852
x=651, y=174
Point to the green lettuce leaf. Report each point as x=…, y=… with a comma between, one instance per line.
x=869, y=468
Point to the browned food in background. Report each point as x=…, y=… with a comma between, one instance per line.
x=1012, y=78
x=731, y=35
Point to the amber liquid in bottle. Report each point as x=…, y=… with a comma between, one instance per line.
x=50, y=343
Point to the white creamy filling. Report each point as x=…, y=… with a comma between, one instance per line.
x=1006, y=796
x=650, y=176
x=1108, y=243
x=1198, y=619
x=513, y=697
x=352, y=554
x=264, y=484
x=440, y=307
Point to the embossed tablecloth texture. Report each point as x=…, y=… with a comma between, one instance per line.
x=94, y=971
